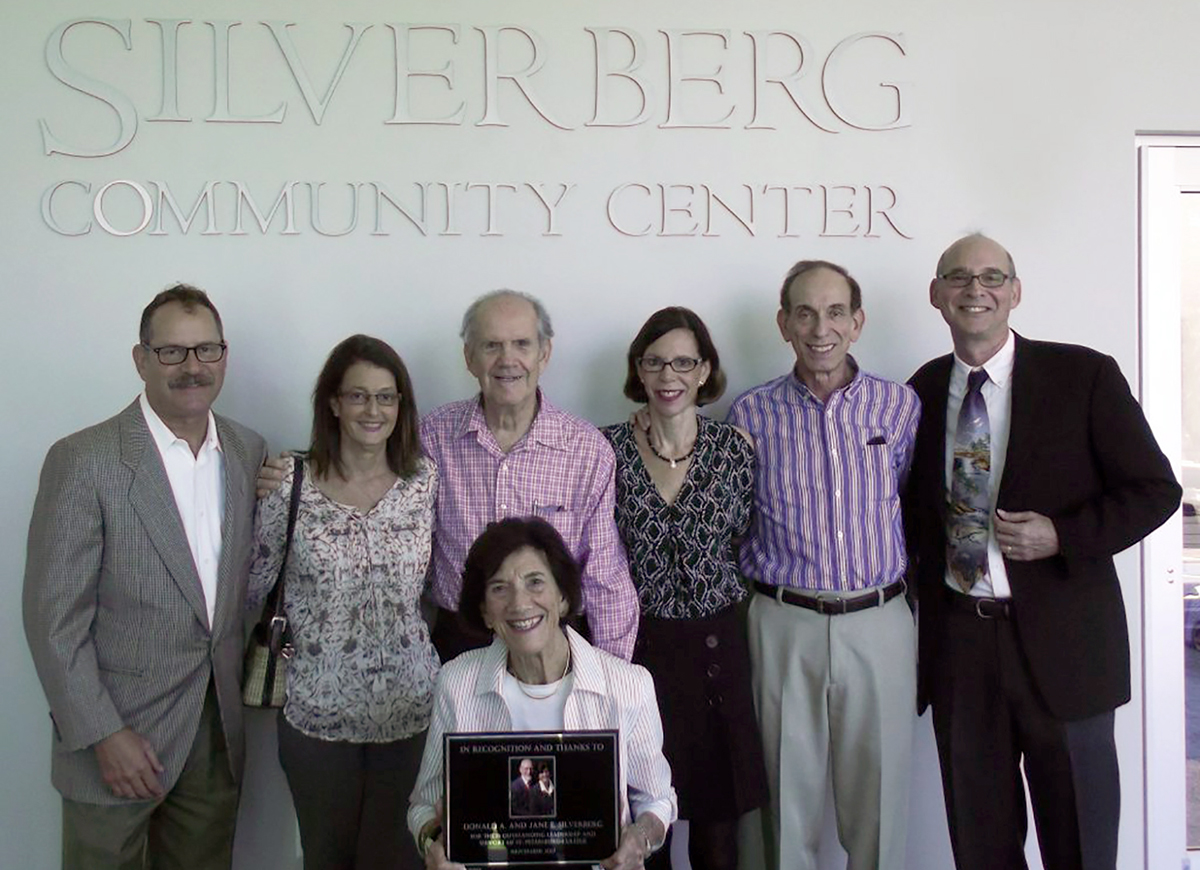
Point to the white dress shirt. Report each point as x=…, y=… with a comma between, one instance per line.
x=997, y=396
x=198, y=484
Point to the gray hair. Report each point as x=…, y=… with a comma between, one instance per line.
x=467, y=331
x=975, y=237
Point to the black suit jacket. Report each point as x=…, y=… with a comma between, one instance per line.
x=1080, y=452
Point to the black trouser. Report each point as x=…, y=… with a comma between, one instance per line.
x=352, y=799
x=988, y=719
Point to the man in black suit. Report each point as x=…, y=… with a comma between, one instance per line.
x=1033, y=466
x=520, y=793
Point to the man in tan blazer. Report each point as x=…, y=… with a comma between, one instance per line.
x=134, y=588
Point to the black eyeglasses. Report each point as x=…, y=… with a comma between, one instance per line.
x=175, y=354
x=657, y=363
x=362, y=397
x=990, y=278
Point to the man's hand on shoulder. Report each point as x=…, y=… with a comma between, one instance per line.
x=129, y=765
x=270, y=475
x=1024, y=536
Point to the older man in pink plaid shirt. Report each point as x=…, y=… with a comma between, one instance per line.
x=510, y=452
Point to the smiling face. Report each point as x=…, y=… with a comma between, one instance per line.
x=670, y=392
x=526, y=769
x=820, y=326
x=977, y=315
x=504, y=354
x=180, y=394
x=369, y=424
x=522, y=604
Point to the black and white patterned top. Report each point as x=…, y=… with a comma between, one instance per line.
x=364, y=667
x=682, y=555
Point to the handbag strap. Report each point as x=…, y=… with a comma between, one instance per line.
x=276, y=593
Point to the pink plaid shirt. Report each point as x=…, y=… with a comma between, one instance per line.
x=561, y=471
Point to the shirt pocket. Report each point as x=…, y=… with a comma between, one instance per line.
x=879, y=476
x=568, y=523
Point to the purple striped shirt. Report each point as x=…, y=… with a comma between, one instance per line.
x=826, y=497
x=561, y=471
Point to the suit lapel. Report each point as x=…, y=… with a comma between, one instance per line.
x=933, y=414
x=1022, y=422
x=234, y=459
x=152, y=499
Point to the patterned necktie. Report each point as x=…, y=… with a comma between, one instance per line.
x=967, y=516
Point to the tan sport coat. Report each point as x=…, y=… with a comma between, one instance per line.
x=113, y=606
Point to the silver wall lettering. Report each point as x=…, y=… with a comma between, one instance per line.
x=872, y=211
x=551, y=208
x=676, y=77
x=672, y=206
x=168, y=28
x=611, y=205
x=383, y=194
x=605, y=71
x=713, y=198
x=167, y=199
x=284, y=201
x=829, y=76
x=221, y=84
x=841, y=210
x=127, y=116
x=48, y=209
x=314, y=209
x=761, y=40
x=316, y=105
x=450, y=189
x=402, y=107
x=146, y=202
x=844, y=208
x=493, y=200
x=492, y=75
x=789, y=231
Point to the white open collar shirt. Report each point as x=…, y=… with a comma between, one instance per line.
x=997, y=396
x=198, y=484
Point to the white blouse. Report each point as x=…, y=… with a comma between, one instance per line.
x=364, y=667
x=607, y=693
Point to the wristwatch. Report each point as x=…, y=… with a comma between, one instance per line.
x=427, y=837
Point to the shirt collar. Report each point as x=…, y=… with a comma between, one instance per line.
x=585, y=665
x=999, y=367
x=800, y=389
x=164, y=438
x=545, y=429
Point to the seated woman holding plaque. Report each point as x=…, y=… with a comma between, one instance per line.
x=521, y=584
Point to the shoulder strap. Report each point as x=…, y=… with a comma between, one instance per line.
x=275, y=599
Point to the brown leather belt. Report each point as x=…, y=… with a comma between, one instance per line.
x=833, y=605
x=984, y=608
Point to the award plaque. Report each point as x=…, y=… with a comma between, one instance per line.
x=531, y=797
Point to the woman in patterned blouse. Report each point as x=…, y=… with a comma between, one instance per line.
x=685, y=486
x=360, y=686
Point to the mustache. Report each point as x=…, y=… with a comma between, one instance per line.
x=190, y=380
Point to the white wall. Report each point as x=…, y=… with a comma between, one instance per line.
x=1020, y=121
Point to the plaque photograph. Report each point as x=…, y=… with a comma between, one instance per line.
x=531, y=798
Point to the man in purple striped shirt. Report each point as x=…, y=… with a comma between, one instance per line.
x=510, y=452
x=832, y=640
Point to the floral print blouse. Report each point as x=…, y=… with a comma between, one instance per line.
x=682, y=555
x=364, y=667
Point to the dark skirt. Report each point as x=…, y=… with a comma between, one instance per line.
x=701, y=670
